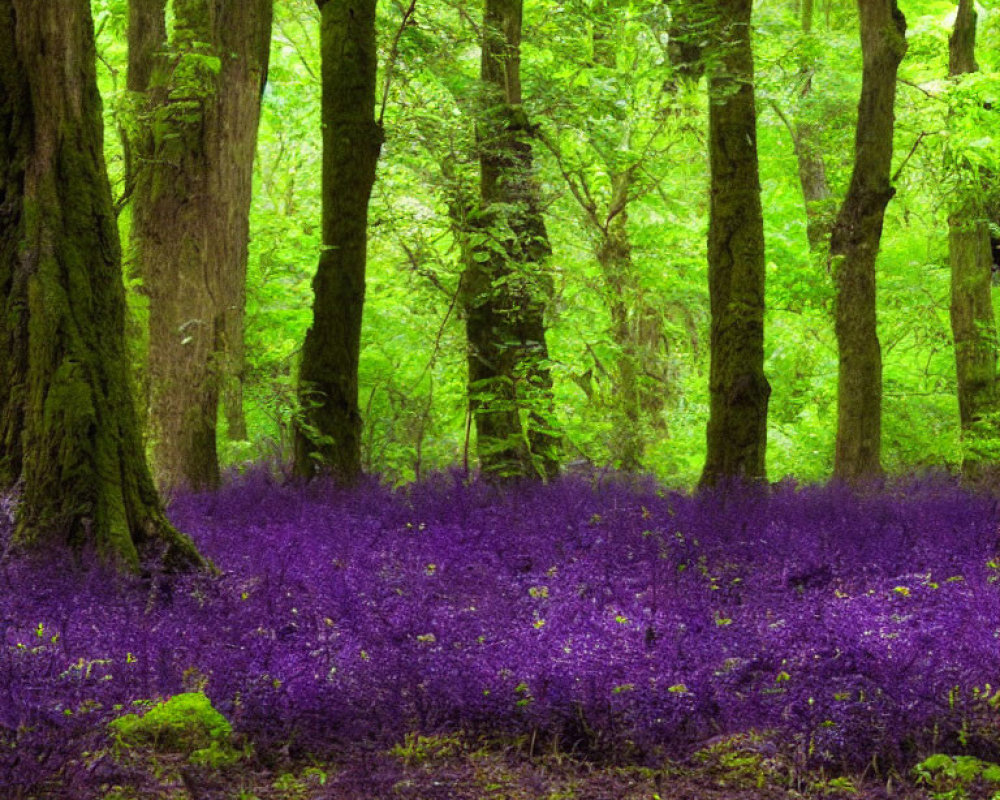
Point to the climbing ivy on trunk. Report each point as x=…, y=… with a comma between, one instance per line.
x=194, y=101
x=506, y=281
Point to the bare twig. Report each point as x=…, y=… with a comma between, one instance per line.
x=788, y=124
x=298, y=50
x=909, y=155
x=576, y=183
x=921, y=89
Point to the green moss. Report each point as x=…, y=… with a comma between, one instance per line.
x=186, y=724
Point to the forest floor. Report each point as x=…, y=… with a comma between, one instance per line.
x=453, y=768
x=613, y=643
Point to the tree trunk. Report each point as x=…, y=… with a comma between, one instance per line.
x=68, y=428
x=505, y=282
x=232, y=389
x=192, y=159
x=962, y=42
x=630, y=314
x=809, y=154
x=739, y=390
x=614, y=255
x=328, y=433
x=854, y=245
x=972, y=321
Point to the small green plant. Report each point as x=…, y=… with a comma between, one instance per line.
x=292, y=787
x=416, y=749
x=949, y=777
x=841, y=786
x=187, y=724
x=742, y=761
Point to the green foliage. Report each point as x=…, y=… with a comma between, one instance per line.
x=416, y=749
x=745, y=761
x=952, y=777
x=599, y=85
x=186, y=724
x=299, y=787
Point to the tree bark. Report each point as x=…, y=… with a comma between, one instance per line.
x=962, y=42
x=972, y=320
x=614, y=255
x=809, y=154
x=633, y=400
x=328, y=433
x=192, y=157
x=854, y=245
x=505, y=283
x=739, y=390
x=68, y=429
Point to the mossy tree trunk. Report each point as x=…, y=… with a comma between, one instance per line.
x=635, y=402
x=854, y=245
x=809, y=148
x=68, y=428
x=738, y=388
x=505, y=283
x=328, y=434
x=196, y=94
x=614, y=255
x=972, y=321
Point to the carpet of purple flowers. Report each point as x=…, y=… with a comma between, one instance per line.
x=611, y=621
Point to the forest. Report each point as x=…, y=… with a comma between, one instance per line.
x=499, y=399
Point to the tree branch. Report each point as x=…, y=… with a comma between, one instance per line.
x=390, y=62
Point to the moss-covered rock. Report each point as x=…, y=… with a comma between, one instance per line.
x=186, y=724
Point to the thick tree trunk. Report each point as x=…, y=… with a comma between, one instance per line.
x=972, y=321
x=505, y=282
x=328, y=435
x=739, y=390
x=68, y=428
x=854, y=245
x=193, y=158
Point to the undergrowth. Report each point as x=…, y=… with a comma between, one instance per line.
x=616, y=625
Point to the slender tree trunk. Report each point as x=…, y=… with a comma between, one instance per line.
x=854, y=245
x=614, y=254
x=505, y=283
x=739, y=390
x=809, y=153
x=328, y=434
x=623, y=291
x=192, y=158
x=972, y=321
x=68, y=428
